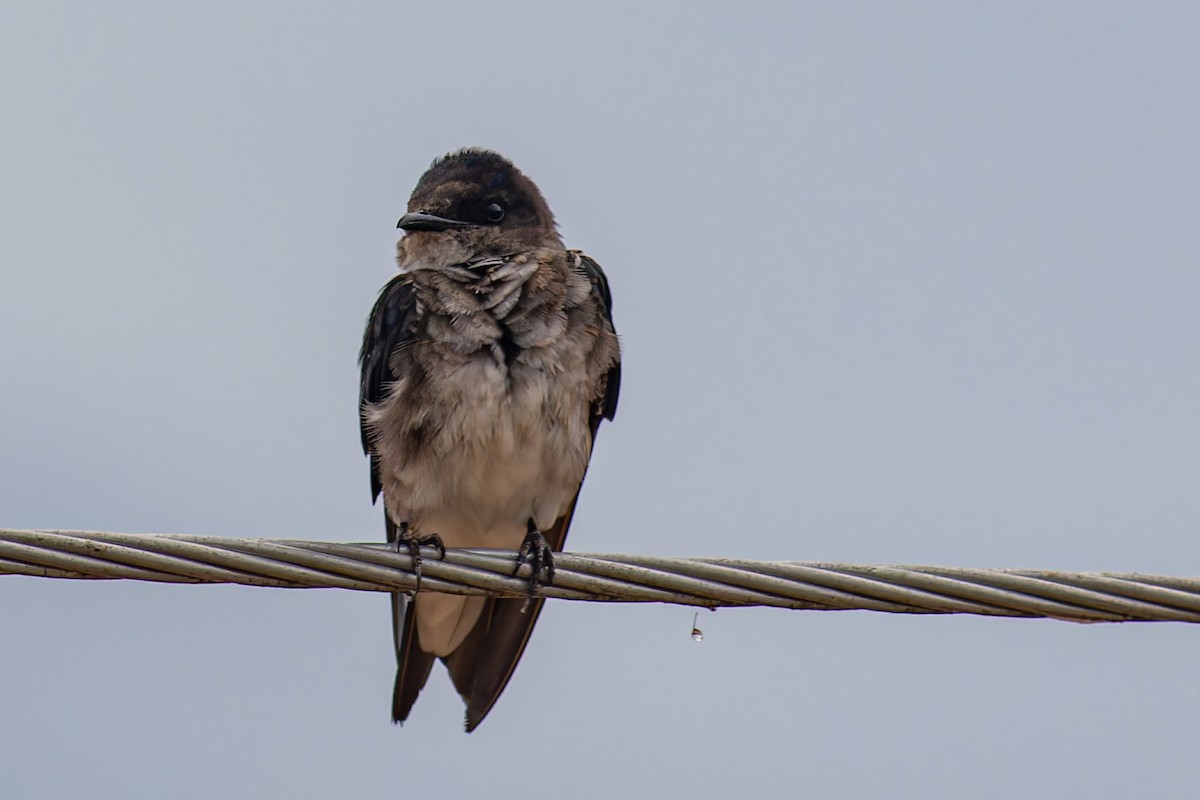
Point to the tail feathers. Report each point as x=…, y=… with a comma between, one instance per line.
x=482, y=666
x=501, y=645
x=463, y=663
x=483, y=663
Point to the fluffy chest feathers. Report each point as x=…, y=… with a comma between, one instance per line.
x=487, y=422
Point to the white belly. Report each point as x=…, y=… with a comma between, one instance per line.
x=510, y=446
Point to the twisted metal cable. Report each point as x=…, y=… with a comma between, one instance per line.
x=1075, y=596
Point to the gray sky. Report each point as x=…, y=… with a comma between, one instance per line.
x=896, y=284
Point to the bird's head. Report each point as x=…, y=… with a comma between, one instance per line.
x=472, y=204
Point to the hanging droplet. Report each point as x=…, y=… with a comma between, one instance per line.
x=697, y=634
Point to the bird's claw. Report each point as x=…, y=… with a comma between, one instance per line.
x=413, y=542
x=535, y=551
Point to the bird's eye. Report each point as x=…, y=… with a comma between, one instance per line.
x=493, y=212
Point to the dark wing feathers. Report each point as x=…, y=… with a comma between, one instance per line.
x=412, y=663
x=389, y=326
x=607, y=407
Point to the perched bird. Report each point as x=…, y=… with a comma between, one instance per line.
x=487, y=366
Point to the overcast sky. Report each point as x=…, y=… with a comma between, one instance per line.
x=896, y=283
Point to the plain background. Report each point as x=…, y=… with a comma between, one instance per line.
x=897, y=283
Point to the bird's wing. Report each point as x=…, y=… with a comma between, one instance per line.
x=605, y=406
x=482, y=665
x=389, y=327
x=412, y=663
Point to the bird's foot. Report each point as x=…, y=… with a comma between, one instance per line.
x=535, y=551
x=412, y=541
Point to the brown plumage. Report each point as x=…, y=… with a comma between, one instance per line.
x=487, y=366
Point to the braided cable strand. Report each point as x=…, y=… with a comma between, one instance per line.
x=1075, y=596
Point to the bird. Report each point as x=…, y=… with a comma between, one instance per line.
x=487, y=366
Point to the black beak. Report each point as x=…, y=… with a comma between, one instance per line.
x=420, y=221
